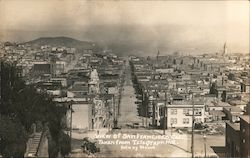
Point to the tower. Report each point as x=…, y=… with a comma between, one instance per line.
x=94, y=82
x=157, y=57
x=224, y=49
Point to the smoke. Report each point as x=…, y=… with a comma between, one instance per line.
x=131, y=27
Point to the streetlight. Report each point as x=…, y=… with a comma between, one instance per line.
x=205, y=147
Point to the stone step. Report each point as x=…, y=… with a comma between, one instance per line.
x=35, y=142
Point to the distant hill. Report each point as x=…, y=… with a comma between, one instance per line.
x=62, y=41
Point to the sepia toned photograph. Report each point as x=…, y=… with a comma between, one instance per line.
x=124, y=79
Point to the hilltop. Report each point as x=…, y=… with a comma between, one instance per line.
x=62, y=41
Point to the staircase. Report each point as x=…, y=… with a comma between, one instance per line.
x=33, y=145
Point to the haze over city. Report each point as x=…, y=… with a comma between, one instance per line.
x=141, y=27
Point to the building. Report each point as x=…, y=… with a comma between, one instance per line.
x=79, y=89
x=94, y=83
x=180, y=115
x=232, y=139
x=238, y=137
x=245, y=86
x=245, y=135
x=233, y=113
x=41, y=68
x=81, y=116
x=98, y=113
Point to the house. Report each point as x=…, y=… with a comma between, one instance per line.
x=233, y=113
x=42, y=68
x=238, y=103
x=79, y=89
x=179, y=113
x=59, y=67
x=245, y=86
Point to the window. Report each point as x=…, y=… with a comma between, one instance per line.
x=197, y=112
x=185, y=120
x=173, y=111
x=198, y=120
x=174, y=120
x=185, y=111
x=237, y=148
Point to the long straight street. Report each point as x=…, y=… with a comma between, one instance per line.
x=128, y=116
x=128, y=107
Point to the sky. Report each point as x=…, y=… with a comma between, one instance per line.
x=185, y=26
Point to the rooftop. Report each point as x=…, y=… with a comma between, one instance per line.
x=246, y=118
x=235, y=126
x=233, y=109
x=217, y=113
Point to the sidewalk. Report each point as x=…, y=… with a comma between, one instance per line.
x=80, y=153
x=183, y=142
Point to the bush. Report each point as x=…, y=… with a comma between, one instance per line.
x=64, y=143
x=13, y=138
x=198, y=126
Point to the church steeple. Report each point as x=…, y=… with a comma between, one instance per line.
x=157, y=57
x=224, y=49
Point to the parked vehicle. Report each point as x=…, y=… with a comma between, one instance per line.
x=89, y=147
x=136, y=125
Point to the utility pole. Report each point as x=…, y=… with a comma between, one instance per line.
x=192, y=141
x=164, y=114
x=147, y=113
x=114, y=114
x=205, y=148
x=147, y=108
x=171, y=129
x=71, y=110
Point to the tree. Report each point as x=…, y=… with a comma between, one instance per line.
x=174, y=61
x=192, y=66
x=213, y=89
x=64, y=142
x=224, y=96
x=21, y=106
x=231, y=76
x=181, y=61
x=13, y=137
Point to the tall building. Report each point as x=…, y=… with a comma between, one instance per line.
x=94, y=84
x=245, y=135
x=238, y=137
x=224, y=49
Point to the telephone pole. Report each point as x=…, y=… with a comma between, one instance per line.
x=71, y=111
x=164, y=114
x=192, y=141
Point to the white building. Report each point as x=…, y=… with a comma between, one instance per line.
x=94, y=83
x=99, y=112
x=81, y=116
x=179, y=114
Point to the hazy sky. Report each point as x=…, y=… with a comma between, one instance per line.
x=166, y=25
